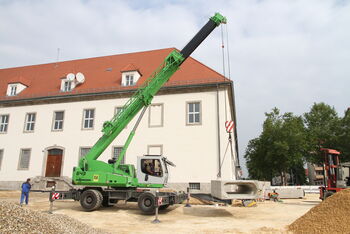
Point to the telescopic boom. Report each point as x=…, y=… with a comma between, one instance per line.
x=144, y=95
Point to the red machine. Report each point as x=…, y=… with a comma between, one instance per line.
x=333, y=174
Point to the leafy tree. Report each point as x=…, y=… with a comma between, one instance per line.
x=344, y=136
x=322, y=129
x=279, y=149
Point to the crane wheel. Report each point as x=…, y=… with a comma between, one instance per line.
x=146, y=203
x=91, y=199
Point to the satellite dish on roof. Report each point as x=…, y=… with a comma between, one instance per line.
x=80, y=77
x=70, y=76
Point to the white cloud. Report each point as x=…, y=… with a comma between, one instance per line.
x=287, y=54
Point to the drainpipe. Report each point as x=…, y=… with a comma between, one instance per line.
x=218, y=130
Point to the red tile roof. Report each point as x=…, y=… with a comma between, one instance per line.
x=129, y=67
x=19, y=79
x=102, y=74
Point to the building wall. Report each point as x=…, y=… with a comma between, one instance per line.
x=194, y=149
x=315, y=174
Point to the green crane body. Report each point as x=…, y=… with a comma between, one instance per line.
x=92, y=172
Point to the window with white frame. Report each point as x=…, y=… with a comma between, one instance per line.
x=130, y=76
x=67, y=86
x=58, y=117
x=1, y=156
x=13, y=90
x=194, y=113
x=155, y=150
x=155, y=118
x=29, y=122
x=83, y=151
x=129, y=80
x=24, y=159
x=4, y=122
x=116, y=153
x=195, y=186
x=88, y=118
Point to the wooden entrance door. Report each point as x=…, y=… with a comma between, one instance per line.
x=54, y=163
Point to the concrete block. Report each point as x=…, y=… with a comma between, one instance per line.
x=234, y=189
x=264, y=187
x=10, y=185
x=289, y=192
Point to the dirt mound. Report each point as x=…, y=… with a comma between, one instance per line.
x=331, y=216
x=16, y=219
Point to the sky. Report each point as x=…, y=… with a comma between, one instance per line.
x=287, y=54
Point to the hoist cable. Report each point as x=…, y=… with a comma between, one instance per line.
x=228, y=143
x=223, y=65
x=228, y=55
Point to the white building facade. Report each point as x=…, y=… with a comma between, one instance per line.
x=45, y=135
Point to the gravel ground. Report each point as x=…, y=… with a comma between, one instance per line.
x=17, y=219
x=125, y=218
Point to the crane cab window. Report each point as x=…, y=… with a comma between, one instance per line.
x=152, y=167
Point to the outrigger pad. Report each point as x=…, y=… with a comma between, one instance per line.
x=234, y=189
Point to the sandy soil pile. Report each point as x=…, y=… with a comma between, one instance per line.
x=331, y=216
x=16, y=219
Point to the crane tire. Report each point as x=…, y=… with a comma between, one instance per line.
x=91, y=199
x=146, y=203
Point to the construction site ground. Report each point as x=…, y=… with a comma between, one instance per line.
x=266, y=217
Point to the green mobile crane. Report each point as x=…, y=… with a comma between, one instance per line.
x=106, y=183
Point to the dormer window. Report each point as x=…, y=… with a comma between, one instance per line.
x=129, y=80
x=67, y=85
x=13, y=89
x=130, y=75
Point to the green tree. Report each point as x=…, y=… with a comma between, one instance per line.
x=322, y=128
x=344, y=137
x=258, y=164
x=279, y=149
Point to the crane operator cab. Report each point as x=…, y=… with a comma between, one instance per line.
x=152, y=169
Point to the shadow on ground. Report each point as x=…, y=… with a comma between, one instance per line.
x=206, y=212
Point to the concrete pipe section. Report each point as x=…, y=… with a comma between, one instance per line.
x=234, y=189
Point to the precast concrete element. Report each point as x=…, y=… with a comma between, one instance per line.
x=234, y=189
x=264, y=187
x=289, y=191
